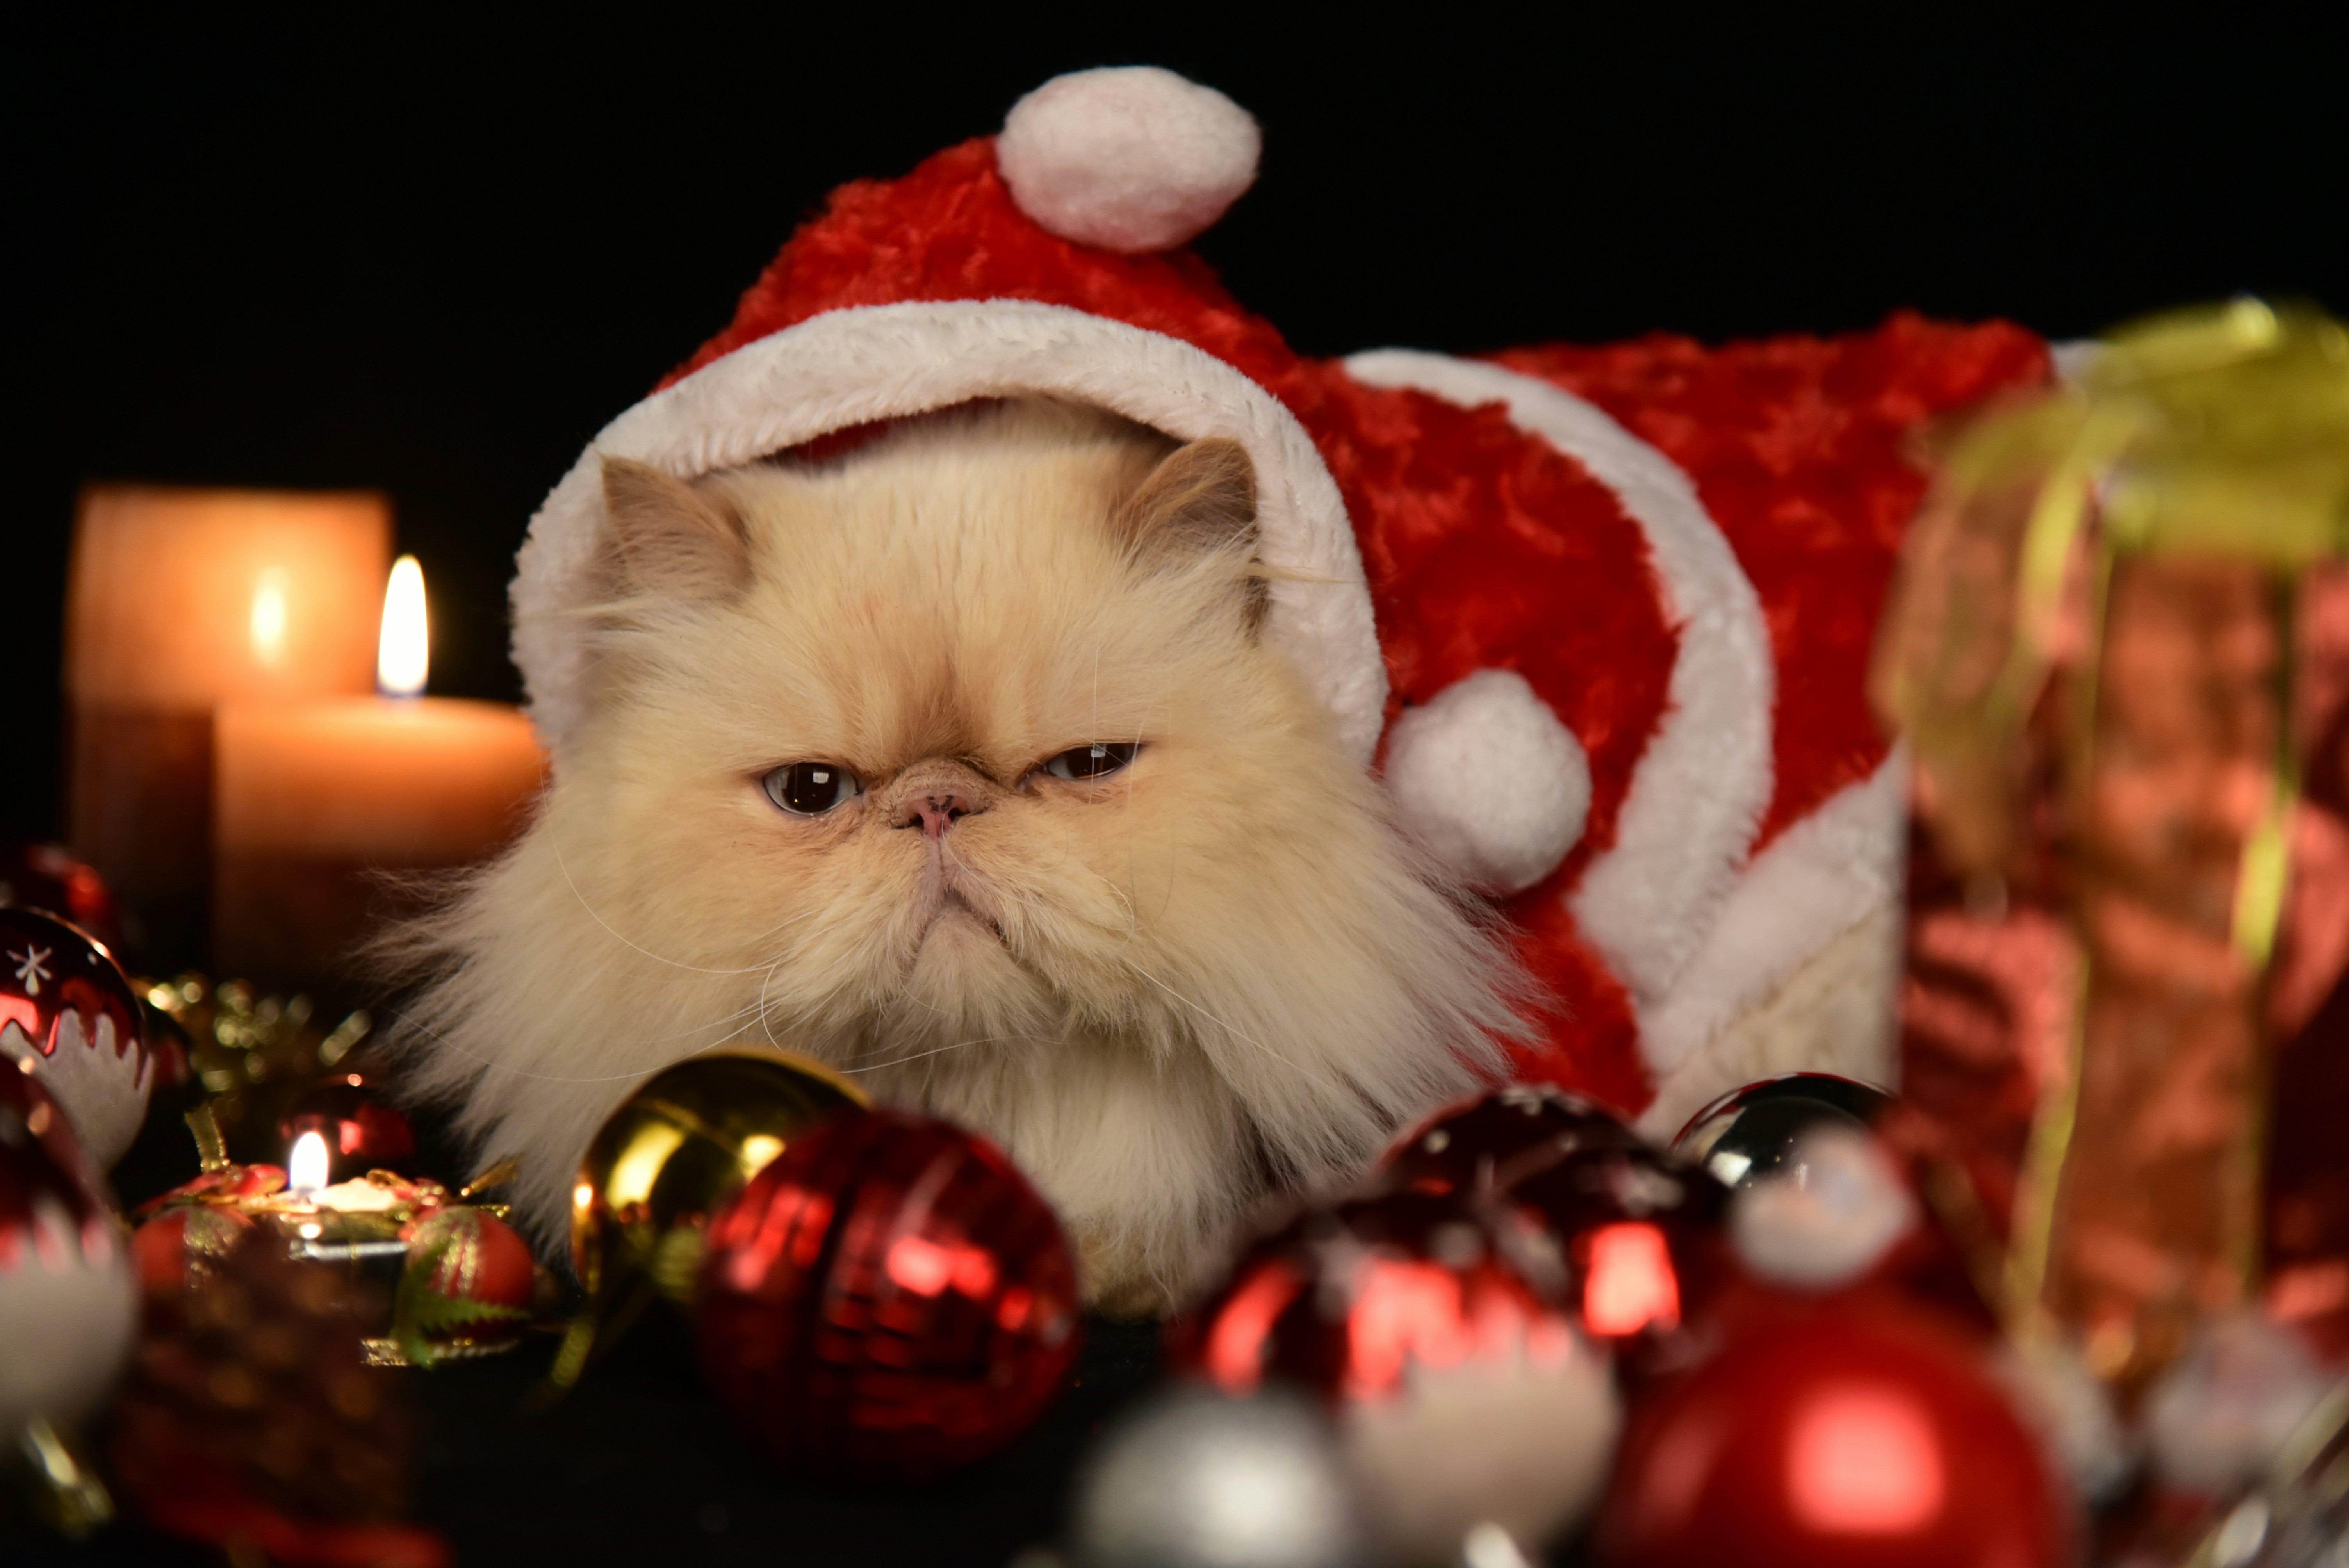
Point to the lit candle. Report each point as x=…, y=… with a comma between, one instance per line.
x=179, y=601
x=305, y=1168
x=312, y=796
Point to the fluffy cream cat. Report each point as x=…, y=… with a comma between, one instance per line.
x=957, y=762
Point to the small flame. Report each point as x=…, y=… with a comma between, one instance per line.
x=404, y=650
x=305, y=1168
x=269, y=617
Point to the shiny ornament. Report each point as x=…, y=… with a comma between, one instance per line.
x=1851, y=1438
x=1441, y=1331
x=1831, y=1209
x=1640, y=1232
x=662, y=1164
x=67, y=1293
x=1749, y=1133
x=1490, y=1142
x=47, y=877
x=889, y=1296
x=361, y=1130
x=465, y=1289
x=67, y=1010
x=182, y=1245
x=1195, y=1478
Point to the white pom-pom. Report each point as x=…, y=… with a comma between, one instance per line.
x=1828, y=1216
x=1489, y=780
x=1131, y=159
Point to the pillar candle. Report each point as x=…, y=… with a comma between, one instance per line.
x=315, y=800
x=179, y=600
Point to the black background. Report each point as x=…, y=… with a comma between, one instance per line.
x=435, y=263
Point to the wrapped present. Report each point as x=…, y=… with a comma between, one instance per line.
x=2119, y=647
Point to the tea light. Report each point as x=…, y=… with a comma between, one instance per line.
x=314, y=798
x=305, y=1168
x=176, y=601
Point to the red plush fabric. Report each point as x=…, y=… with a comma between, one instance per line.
x=1797, y=446
x=948, y=231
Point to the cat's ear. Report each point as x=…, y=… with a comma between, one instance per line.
x=674, y=538
x=1199, y=501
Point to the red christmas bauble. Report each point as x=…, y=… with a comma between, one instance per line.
x=182, y=1244
x=67, y=1010
x=1846, y=1438
x=362, y=1132
x=47, y=876
x=889, y=1295
x=475, y=1278
x=68, y=1297
x=1438, y=1329
x=1491, y=1143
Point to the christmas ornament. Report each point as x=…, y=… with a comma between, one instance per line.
x=47, y=877
x=1857, y=1436
x=360, y=1130
x=465, y=1288
x=889, y=1296
x=1488, y=1144
x=2221, y=1417
x=1441, y=1331
x=2105, y=648
x=1748, y=1133
x=1641, y=1235
x=255, y=1055
x=68, y=1013
x=67, y=1292
x=252, y=1418
x=1623, y=675
x=1196, y=1479
x=664, y=1162
x=182, y=1244
x=1831, y=1207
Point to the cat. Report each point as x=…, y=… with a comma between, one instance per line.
x=957, y=762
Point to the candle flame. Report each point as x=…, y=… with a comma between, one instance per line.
x=404, y=651
x=305, y=1168
x=269, y=617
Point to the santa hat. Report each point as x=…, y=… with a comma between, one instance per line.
x=1598, y=614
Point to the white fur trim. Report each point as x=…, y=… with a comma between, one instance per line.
x=102, y=1090
x=1130, y=157
x=1818, y=879
x=856, y=366
x=1826, y=1219
x=1489, y=779
x=1700, y=787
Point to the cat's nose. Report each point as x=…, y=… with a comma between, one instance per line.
x=933, y=811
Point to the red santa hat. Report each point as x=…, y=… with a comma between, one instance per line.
x=1598, y=614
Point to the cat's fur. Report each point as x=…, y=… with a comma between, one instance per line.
x=1218, y=973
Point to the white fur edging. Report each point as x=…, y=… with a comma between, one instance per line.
x=1699, y=790
x=857, y=367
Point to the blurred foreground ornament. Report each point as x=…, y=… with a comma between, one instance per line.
x=1489, y=1143
x=1830, y=1208
x=1441, y=1332
x=1195, y=1478
x=888, y=1297
x=1850, y=1439
x=664, y=1162
x=67, y=1298
x=68, y=1013
x=1749, y=1133
x=2108, y=651
x=465, y=1286
x=253, y=1419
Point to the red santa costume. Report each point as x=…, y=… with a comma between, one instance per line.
x=1599, y=616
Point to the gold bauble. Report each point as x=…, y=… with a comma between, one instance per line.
x=665, y=1160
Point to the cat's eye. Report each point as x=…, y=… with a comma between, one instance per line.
x=1098, y=761
x=811, y=788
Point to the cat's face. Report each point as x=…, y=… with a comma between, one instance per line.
x=970, y=753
